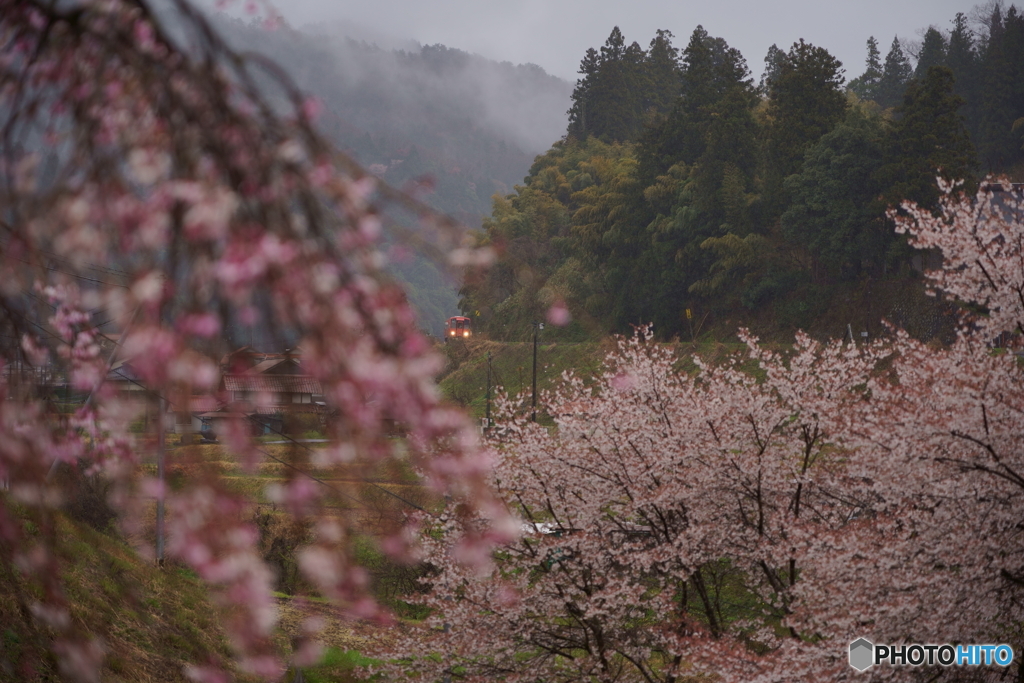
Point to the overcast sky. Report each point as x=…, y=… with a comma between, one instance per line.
x=556, y=33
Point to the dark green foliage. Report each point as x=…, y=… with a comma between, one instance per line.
x=621, y=88
x=896, y=74
x=772, y=66
x=608, y=102
x=806, y=101
x=616, y=111
x=866, y=85
x=662, y=73
x=763, y=206
x=962, y=60
x=927, y=140
x=1002, y=90
x=745, y=271
x=933, y=52
x=834, y=212
x=696, y=174
x=987, y=74
x=569, y=204
x=961, y=56
x=583, y=95
x=712, y=73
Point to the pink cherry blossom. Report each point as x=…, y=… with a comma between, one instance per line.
x=184, y=206
x=558, y=314
x=744, y=526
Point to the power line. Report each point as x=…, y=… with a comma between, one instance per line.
x=54, y=257
x=314, y=478
x=362, y=479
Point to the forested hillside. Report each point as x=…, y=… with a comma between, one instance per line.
x=468, y=126
x=686, y=194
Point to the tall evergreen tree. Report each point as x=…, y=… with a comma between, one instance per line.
x=1001, y=97
x=609, y=100
x=806, y=101
x=710, y=70
x=614, y=46
x=929, y=139
x=962, y=60
x=696, y=171
x=614, y=101
x=772, y=66
x=663, y=72
x=896, y=74
x=589, y=68
x=833, y=214
x=961, y=54
x=866, y=85
x=636, y=90
x=933, y=52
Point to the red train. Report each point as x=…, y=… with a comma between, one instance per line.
x=457, y=327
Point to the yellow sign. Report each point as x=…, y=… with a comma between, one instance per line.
x=689, y=314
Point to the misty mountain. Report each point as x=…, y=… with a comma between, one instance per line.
x=472, y=124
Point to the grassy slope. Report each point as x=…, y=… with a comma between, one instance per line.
x=464, y=380
x=151, y=621
x=825, y=312
x=465, y=377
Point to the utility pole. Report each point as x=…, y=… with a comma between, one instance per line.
x=447, y=672
x=536, y=328
x=161, y=411
x=487, y=423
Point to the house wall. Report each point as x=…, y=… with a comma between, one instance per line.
x=193, y=425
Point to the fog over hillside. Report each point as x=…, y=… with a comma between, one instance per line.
x=406, y=111
x=475, y=113
x=520, y=102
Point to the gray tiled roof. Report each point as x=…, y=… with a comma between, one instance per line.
x=293, y=384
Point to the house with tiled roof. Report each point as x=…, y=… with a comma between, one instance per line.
x=273, y=389
x=127, y=382
x=260, y=388
x=268, y=387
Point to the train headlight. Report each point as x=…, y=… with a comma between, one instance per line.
x=465, y=334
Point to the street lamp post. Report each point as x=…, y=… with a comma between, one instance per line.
x=536, y=328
